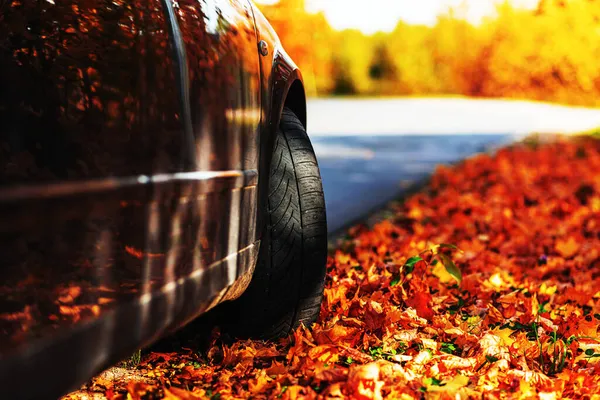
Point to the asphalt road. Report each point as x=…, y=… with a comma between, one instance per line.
x=370, y=151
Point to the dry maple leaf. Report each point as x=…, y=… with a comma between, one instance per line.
x=567, y=248
x=523, y=322
x=364, y=383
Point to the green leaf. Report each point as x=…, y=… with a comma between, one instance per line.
x=411, y=262
x=449, y=246
x=376, y=352
x=449, y=348
x=283, y=390
x=451, y=267
x=491, y=359
x=589, y=352
x=395, y=281
x=433, y=382
x=401, y=347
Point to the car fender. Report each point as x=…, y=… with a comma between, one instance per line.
x=281, y=86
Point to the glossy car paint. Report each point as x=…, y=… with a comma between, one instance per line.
x=135, y=143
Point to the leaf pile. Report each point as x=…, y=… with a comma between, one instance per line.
x=510, y=310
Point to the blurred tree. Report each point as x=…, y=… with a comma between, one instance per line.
x=353, y=49
x=549, y=53
x=305, y=37
x=382, y=70
x=415, y=69
x=342, y=81
x=555, y=58
x=382, y=67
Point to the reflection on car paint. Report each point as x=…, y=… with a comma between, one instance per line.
x=66, y=113
x=91, y=99
x=132, y=137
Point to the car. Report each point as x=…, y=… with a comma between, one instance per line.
x=154, y=163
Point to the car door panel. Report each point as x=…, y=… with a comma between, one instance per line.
x=118, y=223
x=224, y=94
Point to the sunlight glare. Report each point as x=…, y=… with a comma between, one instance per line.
x=383, y=15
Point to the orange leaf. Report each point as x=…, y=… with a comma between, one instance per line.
x=364, y=382
x=567, y=248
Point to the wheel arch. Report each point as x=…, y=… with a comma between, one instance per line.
x=281, y=86
x=295, y=100
x=285, y=88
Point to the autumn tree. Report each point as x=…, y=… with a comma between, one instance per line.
x=305, y=37
x=382, y=69
x=549, y=53
x=342, y=81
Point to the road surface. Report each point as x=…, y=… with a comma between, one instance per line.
x=369, y=151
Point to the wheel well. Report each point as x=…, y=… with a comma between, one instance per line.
x=296, y=101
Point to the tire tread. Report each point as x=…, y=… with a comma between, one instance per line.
x=287, y=286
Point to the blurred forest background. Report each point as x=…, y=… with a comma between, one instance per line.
x=551, y=53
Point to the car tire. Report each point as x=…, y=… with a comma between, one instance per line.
x=287, y=285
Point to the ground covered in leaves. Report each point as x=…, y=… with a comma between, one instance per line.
x=483, y=284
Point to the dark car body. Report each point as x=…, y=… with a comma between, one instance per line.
x=133, y=138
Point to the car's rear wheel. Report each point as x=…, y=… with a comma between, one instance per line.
x=287, y=285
